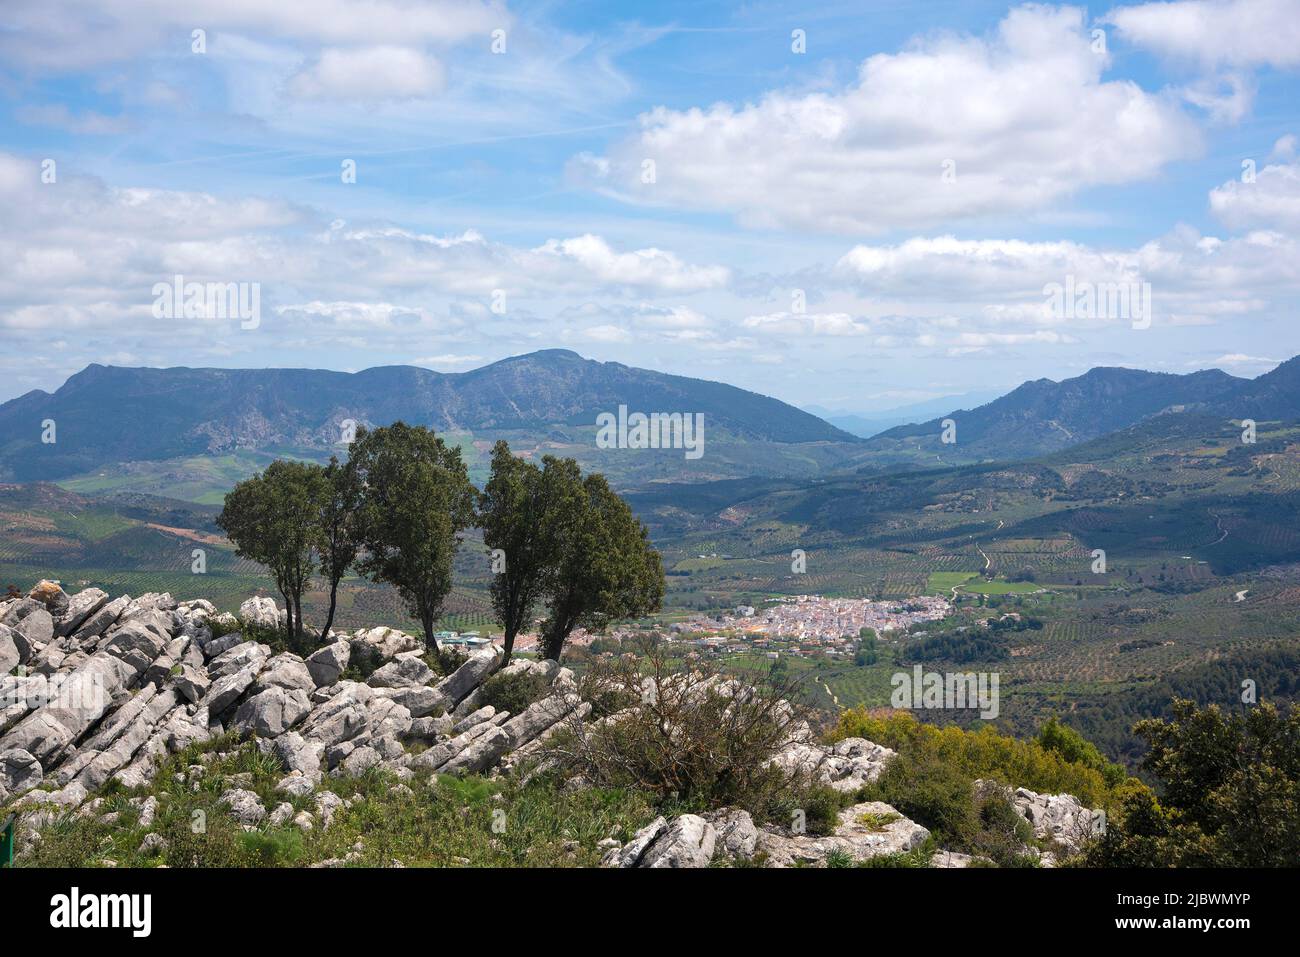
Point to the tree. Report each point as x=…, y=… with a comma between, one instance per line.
x=1229, y=795
x=337, y=495
x=521, y=512
x=270, y=519
x=415, y=498
x=606, y=567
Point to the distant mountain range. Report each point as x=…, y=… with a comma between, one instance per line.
x=548, y=401
x=868, y=424
x=106, y=414
x=1043, y=416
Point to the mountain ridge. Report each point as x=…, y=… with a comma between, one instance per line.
x=1041, y=416
x=99, y=412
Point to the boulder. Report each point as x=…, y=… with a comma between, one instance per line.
x=326, y=665
x=226, y=691
x=192, y=683
x=458, y=685
x=10, y=656
x=237, y=658
x=99, y=622
x=383, y=643
x=245, y=806
x=80, y=607
x=689, y=841
x=51, y=595
x=866, y=830
x=19, y=772
x=629, y=855
x=296, y=753
x=36, y=629
x=271, y=712
x=737, y=835
x=481, y=753
x=260, y=613
x=289, y=672
x=404, y=671
x=1061, y=818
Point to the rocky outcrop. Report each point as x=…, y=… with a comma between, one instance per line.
x=113, y=686
x=866, y=830
x=1059, y=818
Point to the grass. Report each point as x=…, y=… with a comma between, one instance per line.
x=430, y=822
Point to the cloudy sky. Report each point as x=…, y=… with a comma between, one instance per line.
x=857, y=205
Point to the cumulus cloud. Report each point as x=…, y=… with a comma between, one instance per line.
x=1216, y=33
x=1271, y=199
x=1002, y=284
x=1018, y=120
x=77, y=253
x=641, y=267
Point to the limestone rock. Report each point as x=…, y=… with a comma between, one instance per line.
x=737, y=835
x=80, y=607
x=245, y=806
x=689, y=841
x=326, y=665
x=404, y=671
x=296, y=753
x=629, y=855
x=51, y=595
x=260, y=613
x=1058, y=817
x=19, y=772
x=457, y=686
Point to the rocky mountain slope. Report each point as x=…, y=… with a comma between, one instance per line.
x=106, y=414
x=106, y=690
x=1043, y=416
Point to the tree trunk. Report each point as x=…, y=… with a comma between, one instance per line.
x=329, y=617
x=507, y=645
x=430, y=642
x=288, y=614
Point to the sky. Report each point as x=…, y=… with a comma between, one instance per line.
x=855, y=205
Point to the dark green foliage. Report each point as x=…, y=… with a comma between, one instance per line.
x=1229, y=793
x=271, y=518
x=416, y=499
x=1074, y=747
x=525, y=512
x=513, y=692
x=338, y=499
x=606, y=568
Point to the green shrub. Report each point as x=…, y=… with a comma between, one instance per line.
x=983, y=753
x=513, y=691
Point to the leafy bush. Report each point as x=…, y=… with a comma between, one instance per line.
x=983, y=753
x=1075, y=748
x=514, y=691
x=699, y=740
x=1230, y=793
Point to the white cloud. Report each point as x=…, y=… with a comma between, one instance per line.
x=1234, y=33
x=51, y=35
x=1024, y=115
x=1272, y=200
x=642, y=267
x=381, y=72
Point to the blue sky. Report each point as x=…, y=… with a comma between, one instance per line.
x=865, y=224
